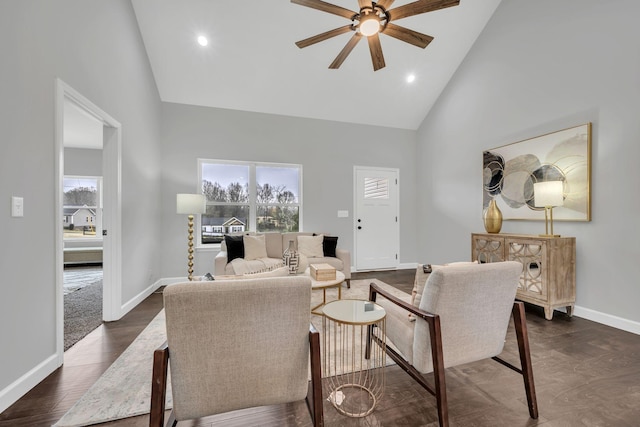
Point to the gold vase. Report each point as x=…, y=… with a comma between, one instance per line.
x=493, y=218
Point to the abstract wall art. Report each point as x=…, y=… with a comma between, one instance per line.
x=509, y=172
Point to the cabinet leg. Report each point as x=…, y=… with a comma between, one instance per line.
x=548, y=313
x=570, y=310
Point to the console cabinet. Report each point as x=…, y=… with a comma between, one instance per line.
x=548, y=276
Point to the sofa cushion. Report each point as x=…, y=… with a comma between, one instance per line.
x=311, y=246
x=254, y=247
x=235, y=247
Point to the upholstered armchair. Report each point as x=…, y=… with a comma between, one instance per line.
x=461, y=315
x=237, y=344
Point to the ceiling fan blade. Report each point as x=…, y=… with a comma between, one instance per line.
x=406, y=35
x=386, y=4
x=376, y=52
x=326, y=7
x=420, y=6
x=364, y=3
x=345, y=51
x=324, y=36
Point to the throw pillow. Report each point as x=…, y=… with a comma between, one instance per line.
x=311, y=246
x=235, y=247
x=254, y=247
x=329, y=245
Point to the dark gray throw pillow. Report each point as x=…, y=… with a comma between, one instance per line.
x=235, y=247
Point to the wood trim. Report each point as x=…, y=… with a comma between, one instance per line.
x=314, y=396
x=159, y=386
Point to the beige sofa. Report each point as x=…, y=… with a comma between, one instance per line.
x=276, y=243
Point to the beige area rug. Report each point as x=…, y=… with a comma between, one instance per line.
x=124, y=390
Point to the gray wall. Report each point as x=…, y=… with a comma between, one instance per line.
x=95, y=47
x=82, y=161
x=538, y=67
x=327, y=151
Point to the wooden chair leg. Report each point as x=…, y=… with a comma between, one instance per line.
x=522, y=335
x=435, y=333
x=159, y=386
x=314, y=396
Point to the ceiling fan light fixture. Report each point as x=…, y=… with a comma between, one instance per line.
x=370, y=26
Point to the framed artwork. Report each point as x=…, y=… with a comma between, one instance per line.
x=509, y=172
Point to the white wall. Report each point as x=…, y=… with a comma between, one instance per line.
x=327, y=151
x=95, y=47
x=541, y=66
x=82, y=162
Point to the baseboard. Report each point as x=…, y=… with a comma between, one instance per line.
x=607, y=319
x=401, y=266
x=22, y=385
x=133, y=302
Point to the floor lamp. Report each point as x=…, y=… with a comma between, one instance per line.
x=190, y=204
x=547, y=195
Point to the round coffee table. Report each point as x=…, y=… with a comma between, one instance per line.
x=324, y=285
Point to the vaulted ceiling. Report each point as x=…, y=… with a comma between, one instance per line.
x=252, y=63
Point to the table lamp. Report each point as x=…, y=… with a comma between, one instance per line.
x=547, y=195
x=190, y=204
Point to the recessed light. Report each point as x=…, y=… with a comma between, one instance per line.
x=202, y=41
x=411, y=78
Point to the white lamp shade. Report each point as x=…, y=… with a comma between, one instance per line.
x=191, y=204
x=548, y=193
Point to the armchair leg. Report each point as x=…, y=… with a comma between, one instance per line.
x=525, y=357
x=159, y=386
x=348, y=281
x=314, y=395
x=435, y=333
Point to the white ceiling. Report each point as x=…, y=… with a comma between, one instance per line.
x=253, y=64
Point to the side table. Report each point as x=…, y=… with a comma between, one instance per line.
x=355, y=382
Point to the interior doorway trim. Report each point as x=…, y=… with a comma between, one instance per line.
x=112, y=196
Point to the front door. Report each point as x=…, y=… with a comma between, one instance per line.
x=376, y=218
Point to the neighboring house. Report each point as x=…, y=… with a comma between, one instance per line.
x=79, y=217
x=214, y=229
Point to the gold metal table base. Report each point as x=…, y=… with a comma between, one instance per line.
x=354, y=380
x=315, y=310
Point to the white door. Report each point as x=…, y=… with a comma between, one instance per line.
x=376, y=218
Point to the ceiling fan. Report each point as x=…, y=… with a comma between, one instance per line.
x=372, y=19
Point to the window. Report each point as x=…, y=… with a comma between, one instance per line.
x=249, y=196
x=82, y=214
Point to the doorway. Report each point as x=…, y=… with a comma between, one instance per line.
x=376, y=228
x=106, y=221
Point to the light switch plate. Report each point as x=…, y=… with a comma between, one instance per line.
x=17, y=206
x=343, y=214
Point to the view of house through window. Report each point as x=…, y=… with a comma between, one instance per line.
x=81, y=217
x=249, y=196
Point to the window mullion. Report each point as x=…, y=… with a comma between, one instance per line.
x=253, y=211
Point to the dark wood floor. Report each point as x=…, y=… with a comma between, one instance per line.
x=586, y=374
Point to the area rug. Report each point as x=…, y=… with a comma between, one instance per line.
x=124, y=390
x=82, y=312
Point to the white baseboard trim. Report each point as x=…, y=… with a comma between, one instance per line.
x=133, y=302
x=402, y=266
x=607, y=319
x=20, y=387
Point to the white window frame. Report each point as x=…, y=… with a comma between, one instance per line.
x=98, y=224
x=253, y=205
